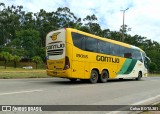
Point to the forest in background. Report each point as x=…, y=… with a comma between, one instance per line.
x=22, y=34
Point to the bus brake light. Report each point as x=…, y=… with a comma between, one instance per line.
x=67, y=63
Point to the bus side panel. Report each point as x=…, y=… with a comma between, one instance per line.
x=69, y=52
x=69, y=55
x=112, y=69
x=78, y=63
x=78, y=69
x=87, y=70
x=130, y=69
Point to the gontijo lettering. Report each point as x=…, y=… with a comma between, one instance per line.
x=55, y=46
x=107, y=59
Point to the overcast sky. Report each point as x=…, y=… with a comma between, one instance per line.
x=142, y=17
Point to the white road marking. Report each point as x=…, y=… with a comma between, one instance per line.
x=137, y=103
x=20, y=92
x=146, y=100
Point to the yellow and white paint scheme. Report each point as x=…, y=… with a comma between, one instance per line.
x=65, y=60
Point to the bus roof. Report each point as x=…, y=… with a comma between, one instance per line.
x=105, y=39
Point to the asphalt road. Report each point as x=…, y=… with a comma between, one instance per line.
x=55, y=91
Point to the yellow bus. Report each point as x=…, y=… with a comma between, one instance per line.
x=74, y=54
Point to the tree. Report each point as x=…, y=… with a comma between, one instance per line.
x=27, y=40
x=92, y=25
x=9, y=23
x=152, y=67
x=154, y=55
x=105, y=33
x=16, y=59
x=7, y=57
x=65, y=17
x=44, y=23
x=37, y=60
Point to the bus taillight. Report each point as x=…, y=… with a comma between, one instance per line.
x=67, y=64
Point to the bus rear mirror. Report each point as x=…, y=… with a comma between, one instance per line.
x=148, y=60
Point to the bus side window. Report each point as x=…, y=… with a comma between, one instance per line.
x=137, y=55
x=78, y=40
x=103, y=47
x=121, y=51
x=91, y=44
x=115, y=50
x=126, y=52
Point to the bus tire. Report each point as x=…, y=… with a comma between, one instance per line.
x=104, y=76
x=139, y=76
x=94, y=76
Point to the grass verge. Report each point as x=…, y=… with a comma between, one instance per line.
x=157, y=75
x=10, y=73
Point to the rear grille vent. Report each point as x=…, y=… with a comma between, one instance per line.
x=55, y=52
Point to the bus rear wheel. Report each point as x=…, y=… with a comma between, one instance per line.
x=104, y=76
x=139, y=76
x=94, y=76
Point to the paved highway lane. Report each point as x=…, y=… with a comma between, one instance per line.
x=55, y=91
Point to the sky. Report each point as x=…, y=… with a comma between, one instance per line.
x=142, y=16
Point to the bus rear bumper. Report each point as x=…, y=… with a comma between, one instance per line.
x=61, y=74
